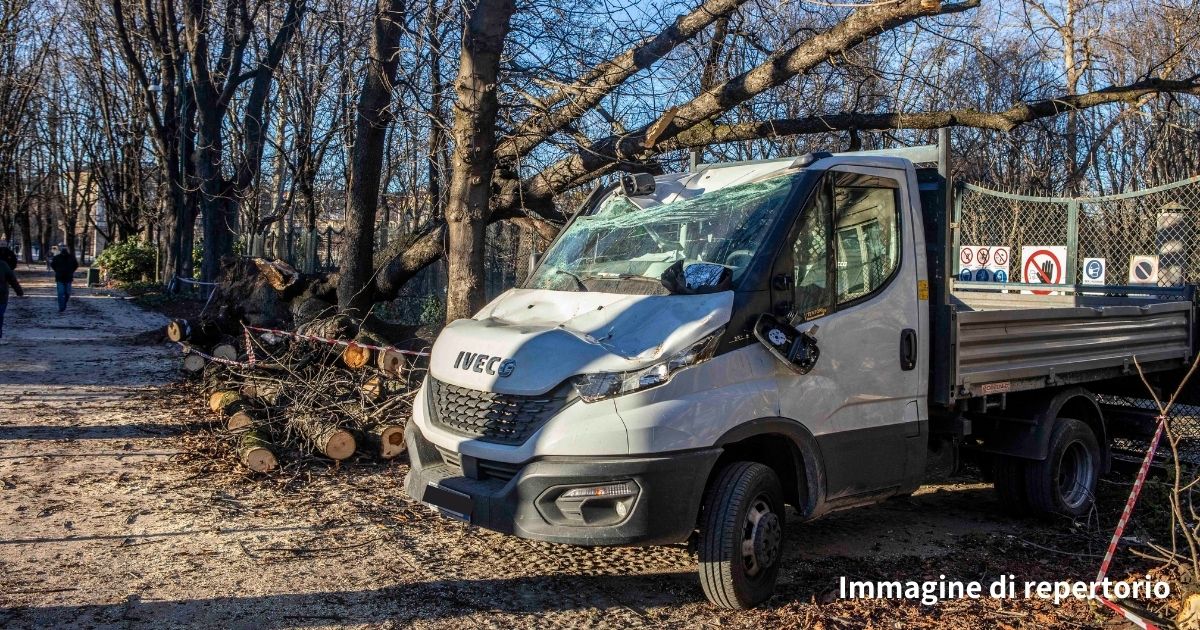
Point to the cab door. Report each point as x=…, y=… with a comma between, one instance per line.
x=854, y=275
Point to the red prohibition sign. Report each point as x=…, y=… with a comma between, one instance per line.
x=965, y=256
x=1032, y=266
x=982, y=255
x=1000, y=256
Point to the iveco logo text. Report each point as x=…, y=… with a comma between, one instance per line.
x=485, y=363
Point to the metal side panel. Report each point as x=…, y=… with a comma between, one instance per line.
x=1013, y=350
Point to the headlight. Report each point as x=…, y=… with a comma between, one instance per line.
x=601, y=385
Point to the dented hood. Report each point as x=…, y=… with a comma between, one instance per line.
x=527, y=341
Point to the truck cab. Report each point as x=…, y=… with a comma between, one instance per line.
x=602, y=402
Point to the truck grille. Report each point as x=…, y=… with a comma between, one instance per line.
x=489, y=416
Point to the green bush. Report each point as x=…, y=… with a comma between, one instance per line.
x=433, y=311
x=128, y=261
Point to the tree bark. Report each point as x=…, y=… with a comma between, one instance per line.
x=374, y=115
x=254, y=451
x=474, y=157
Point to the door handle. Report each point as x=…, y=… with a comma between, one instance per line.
x=908, y=349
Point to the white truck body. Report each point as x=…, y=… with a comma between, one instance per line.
x=602, y=409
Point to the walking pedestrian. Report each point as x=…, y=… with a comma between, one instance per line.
x=64, y=266
x=7, y=255
x=7, y=279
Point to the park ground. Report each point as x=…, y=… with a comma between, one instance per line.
x=114, y=514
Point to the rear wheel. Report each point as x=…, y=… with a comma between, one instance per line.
x=1065, y=482
x=741, y=537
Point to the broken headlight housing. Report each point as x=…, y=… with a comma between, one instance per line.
x=601, y=385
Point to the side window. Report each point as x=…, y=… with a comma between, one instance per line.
x=866, y=234
x=811, y=255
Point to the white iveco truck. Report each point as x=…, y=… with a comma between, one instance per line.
x=695, y=351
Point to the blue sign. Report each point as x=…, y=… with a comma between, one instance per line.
x=1000, y=275
x=1094, y=270
x=965, y=275
x=983, y=275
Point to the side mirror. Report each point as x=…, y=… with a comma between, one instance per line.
x=637, y=184
x=697, y=278
x=794, y=348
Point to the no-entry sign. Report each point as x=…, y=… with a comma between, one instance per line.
x=1143, y=270
x=1043, y=264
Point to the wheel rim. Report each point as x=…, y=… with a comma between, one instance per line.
x=1075, y=475
x=762, y=537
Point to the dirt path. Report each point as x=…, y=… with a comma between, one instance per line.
x=107, y=521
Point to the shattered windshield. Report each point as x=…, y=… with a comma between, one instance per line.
x=624, y=248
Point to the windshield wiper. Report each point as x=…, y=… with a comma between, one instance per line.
x=578, y=280
x=623, y=276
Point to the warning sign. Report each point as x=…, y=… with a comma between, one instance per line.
x=1143, y=270
x=983, y=264
x=1043, y=264
x=1094, y=270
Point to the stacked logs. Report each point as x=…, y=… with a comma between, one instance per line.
x=302, y=399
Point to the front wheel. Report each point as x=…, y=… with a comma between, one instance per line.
x=741, y=537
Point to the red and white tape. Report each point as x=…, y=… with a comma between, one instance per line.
x=1128, y=615
x=337, y=342
x=250, y=358
x=1125, y=514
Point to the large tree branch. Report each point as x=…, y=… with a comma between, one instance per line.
x=586, y=92
x=858, y=27
x=1007, y=120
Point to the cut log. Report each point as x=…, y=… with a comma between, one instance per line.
x=326, y=437
x=356, y=357
x=199, y=333
x=238, y=421
x=222, y=401
x=225, y=351
x=390, y=362
x=178, y=330
x=255, y=452
x=372, y=388
x=385, y=440
x=193, y=364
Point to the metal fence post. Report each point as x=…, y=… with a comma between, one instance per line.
x=952, y=250
x=1072, y=241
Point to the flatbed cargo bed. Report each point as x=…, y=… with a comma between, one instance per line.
x=1005, y=338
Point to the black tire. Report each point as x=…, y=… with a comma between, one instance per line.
x=1064, y=484
x=1010, y=484
x=743, y=505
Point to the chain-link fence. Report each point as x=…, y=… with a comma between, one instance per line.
x=1143, y=237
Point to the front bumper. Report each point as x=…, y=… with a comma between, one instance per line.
x=669, y=490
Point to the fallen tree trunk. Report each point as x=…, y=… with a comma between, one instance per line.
x=325, y=437
x=254, y=451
